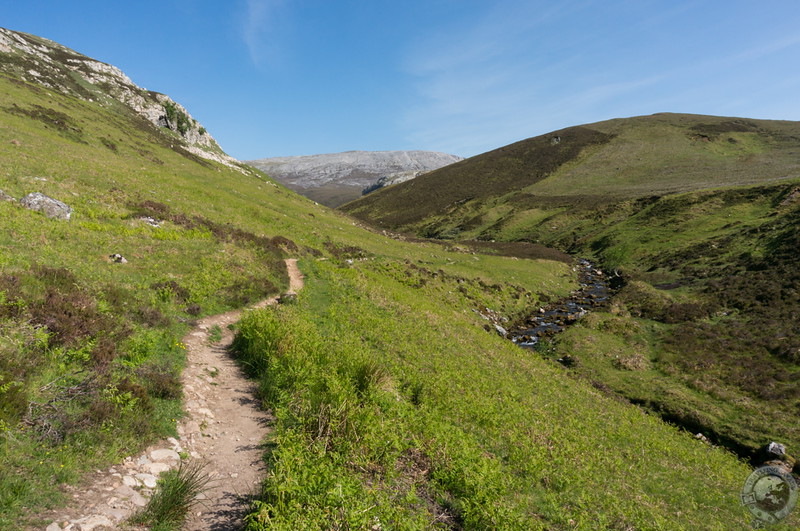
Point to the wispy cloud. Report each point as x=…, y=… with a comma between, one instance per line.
x=502, y=77
x=767, y=49
x=516, y=70
x=259, y=25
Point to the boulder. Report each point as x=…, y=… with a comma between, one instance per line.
x=52, y=208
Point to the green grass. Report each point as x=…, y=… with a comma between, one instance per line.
x=90, y=354
x=723, y=341
x=215, y=334
x=699, y=206
x=395, y=407
x=175, y=495
x=72, y=319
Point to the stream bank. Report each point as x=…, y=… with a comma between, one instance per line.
x=596, y=288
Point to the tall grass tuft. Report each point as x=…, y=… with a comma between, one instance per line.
x=175, y=494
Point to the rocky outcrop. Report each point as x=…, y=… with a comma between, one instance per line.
x=389, y=180
x=56, y=67
x=335, y=178
x=52, y=208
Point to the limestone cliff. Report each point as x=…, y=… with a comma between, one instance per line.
x=58, y=68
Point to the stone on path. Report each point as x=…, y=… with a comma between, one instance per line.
x=90, y=523
x=164, y=455
x=148, y=480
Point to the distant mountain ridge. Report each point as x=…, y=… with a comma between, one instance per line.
x=336, y=178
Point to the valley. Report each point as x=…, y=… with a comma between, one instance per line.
x=703, y=331
x=394, y=403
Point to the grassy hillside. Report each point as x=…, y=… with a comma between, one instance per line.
x=394, y=404
x=699, y=214
x=584, y=167
x=395, y=409
x=90, y=351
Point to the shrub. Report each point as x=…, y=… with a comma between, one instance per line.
x=643, y=300
x=175, y=494
x=160, y=380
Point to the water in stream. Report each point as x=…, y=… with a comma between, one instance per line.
x=594, y=291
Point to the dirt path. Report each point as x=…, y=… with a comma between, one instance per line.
x=225, y=423
x=223, y=427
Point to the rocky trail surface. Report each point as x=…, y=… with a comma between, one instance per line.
x=223, y=428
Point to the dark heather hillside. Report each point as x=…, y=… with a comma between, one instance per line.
x=490, y=175
x=597, y=163
x=701, y=217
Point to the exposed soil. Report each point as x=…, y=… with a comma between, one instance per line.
x=224, y=427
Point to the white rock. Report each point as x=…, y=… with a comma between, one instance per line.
x=52, y=208
x=90, y=523
x=138, y=500
x=148, y=480
x=53, y=527
x=127, y=493
x=156, y=468
x=165, y=454
x=116, y=514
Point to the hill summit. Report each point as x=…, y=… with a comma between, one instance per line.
x=602, y=162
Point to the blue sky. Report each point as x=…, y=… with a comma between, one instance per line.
x=296, y=77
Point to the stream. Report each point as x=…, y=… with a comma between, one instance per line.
x=596, y=287
x=594, y=291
